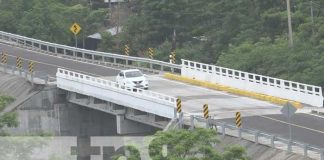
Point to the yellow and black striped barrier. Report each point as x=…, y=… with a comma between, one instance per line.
x=4, y=58
x=19, y=62
x=173, y=57
x=31, y=67
x=206, y=112
x=126, y=50
x=238, y=119
x=151, y=53
x=179, y=107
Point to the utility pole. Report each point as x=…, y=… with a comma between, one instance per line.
x=289, y=24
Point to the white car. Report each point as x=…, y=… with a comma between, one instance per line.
x=132, y=78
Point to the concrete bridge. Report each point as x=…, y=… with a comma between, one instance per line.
x=86, y=79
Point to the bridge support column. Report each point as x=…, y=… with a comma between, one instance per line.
x=125, y=126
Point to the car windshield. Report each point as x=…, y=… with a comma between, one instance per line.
x=133, y=74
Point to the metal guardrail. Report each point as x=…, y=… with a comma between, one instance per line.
x=223, y=126
x=36, y=77
x=88, y=55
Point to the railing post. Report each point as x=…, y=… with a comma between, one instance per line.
x=305, y=150
x=273, y=139
x=192, y=122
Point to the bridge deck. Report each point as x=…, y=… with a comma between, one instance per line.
x=221, y=105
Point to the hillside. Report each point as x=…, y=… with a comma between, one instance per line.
x=246, y=35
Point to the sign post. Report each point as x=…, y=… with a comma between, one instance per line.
x=75, y=29
x=289, y=110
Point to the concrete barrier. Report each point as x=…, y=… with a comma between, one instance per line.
x=232, y=90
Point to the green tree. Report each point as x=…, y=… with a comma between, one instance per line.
x=198, y=144
x=107, y=42
x=133, y=154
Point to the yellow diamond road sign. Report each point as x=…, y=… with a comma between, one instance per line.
x=75, y=28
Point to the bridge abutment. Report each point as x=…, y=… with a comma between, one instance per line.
x=126, y=126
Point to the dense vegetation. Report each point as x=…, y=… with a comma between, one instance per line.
x=245, y=35
x=50, y=20
x=8, y=119
x=197, y=144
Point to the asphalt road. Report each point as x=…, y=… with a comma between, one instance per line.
x=256, y=114
x=305, y=128
x=49, y=64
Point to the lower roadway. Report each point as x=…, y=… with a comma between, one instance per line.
x=222, y=106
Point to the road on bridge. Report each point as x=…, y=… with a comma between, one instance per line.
x=256, y=114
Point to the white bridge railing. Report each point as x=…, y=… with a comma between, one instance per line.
x=87, y=55
x=304, y=93
x=142, y=100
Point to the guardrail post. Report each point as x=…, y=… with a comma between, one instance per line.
x=32, y=78
x=5, y=68
x=162, y=68
x=289, y=146
x=322, y=154
x=26, y=74
x=256, y=137
x=207, y=122
x=181, y=120
x=273, y=139
x=46, y=80
x=13, y=70
x=239, y=132
x=305, y=150
x=223, y=129
x=192, y=122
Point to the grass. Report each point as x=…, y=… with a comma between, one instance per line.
x=4, y=101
